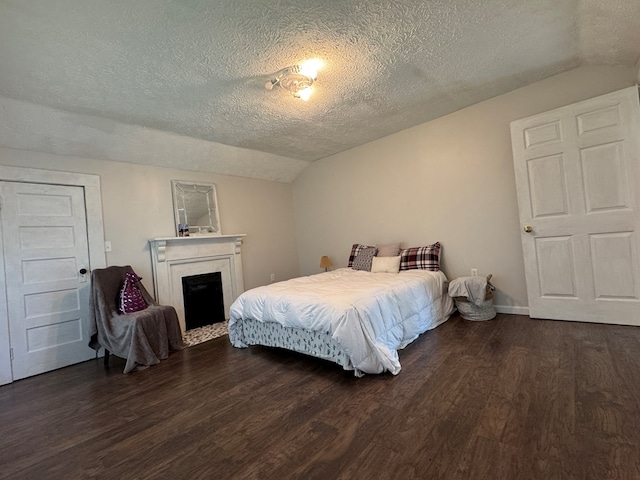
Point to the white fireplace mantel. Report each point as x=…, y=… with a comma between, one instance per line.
x=175, y=257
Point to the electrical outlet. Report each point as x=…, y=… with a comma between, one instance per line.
x=474, y=272
x=107, y=246
x=273, y=277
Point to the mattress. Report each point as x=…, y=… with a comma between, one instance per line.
x=363, y=318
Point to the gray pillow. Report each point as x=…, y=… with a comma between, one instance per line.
x=388, y=250
x=364, y=258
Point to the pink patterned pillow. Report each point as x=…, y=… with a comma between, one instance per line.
x=131, y=299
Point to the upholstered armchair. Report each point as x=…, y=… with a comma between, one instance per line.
x=144, y=337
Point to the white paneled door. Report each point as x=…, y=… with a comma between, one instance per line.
x=578, y=179
x=46, y=263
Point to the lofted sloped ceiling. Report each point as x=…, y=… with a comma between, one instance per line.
x=181, y=82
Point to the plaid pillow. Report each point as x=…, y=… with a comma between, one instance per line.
x=425, y=258
x=355, y=250
x=364, y=259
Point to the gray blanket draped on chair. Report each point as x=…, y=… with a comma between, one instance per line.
x=143, y=338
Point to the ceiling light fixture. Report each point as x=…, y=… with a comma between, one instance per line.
x=297, y=79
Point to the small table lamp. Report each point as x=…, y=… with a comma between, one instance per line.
x=325, y=262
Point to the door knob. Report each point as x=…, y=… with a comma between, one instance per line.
x=528, y=229
x=82, y=271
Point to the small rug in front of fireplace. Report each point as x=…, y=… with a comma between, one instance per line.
x=202, y=334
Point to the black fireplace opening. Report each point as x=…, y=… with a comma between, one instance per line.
x=203, y=300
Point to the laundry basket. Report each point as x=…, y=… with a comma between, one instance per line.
x=484, y=311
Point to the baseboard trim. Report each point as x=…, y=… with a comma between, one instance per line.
x=512, y=310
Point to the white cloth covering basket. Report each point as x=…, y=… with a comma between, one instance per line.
x=478, y=310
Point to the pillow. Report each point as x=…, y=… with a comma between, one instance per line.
x=355, y=250
x=131, y=299
x=364, y=259
x=425, y=258
x=389, y=250
x=385, y=264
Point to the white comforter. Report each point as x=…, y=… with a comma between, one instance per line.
x=371, y=315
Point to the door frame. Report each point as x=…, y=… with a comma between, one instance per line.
x=95, y=237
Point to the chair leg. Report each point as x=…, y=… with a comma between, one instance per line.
x=106, y=357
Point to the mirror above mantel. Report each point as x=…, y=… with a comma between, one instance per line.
x=195, y=205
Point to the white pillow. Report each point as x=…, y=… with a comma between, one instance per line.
x=385, y=264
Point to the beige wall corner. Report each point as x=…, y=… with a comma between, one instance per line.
x=449, y=180
x=137, y=206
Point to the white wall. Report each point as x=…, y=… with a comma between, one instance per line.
x=449, y=180
x=137, y=206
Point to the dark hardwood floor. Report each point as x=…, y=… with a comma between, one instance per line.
x=511, y=398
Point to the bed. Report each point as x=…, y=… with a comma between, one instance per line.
x=355, y=318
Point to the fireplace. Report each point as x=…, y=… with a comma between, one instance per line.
x=175, y=258
x=203, y=300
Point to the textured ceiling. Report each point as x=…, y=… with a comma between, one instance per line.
x=197, y=68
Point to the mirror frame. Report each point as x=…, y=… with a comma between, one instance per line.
x=208, y=195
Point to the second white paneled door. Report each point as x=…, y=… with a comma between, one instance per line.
x=578, y=179
x=46, y=275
